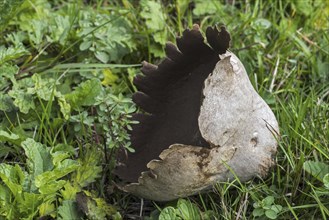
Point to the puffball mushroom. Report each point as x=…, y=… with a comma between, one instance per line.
x=203, y=122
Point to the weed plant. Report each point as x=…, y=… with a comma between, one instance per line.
x=66, y=70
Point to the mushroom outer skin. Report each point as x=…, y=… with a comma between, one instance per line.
x=240, y=128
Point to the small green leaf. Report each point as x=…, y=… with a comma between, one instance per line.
x=167, y=213
x=85, y=45
x=188, y=210
x=102, y=56
x=263, y=23
x=256, y=205
x=153, y=14
x=271, y=214
x=109, y=77
x=268, y=201
x=258, y=212
x=276, y=208
x=85, y=94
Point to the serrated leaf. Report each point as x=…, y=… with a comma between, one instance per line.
x=160, y=37
x=65, y=107
x=8, y=10
x=89, y=169
x=85, y=94
x=68, y=210
x=153, y=14
x=206, y=7
x=22, y=100
x=38, y=32
x=110, y=42
x=155, y=20
x=11, y=53
x=43, y=87
x=60, y=30
x=316, y=169
x=69, y=192
x=96, y=208
x=157, y=50
x=95, y=212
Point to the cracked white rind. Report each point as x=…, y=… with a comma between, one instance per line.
x=184, y=170
x=236, y=122
x=233, y=114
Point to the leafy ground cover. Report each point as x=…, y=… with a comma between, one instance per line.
x=66, y=70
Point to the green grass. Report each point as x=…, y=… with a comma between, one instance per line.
x=66, y=70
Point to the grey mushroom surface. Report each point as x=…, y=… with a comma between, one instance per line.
x=203, y=122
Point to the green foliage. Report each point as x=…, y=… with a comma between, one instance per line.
x=108, y=36
x=8, y=9
x=85, y=175
x=155, y=21
x=85, y=94
x=35, y=192
x=68, y=210
x=267, y=207
x=184, y=210
x=96, y=208
x=66, y=70
x=317, y=169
